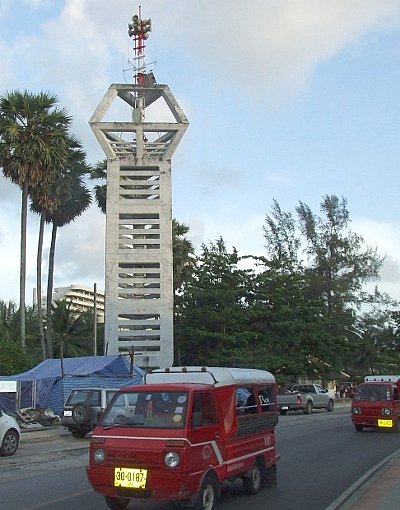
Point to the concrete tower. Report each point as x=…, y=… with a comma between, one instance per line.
x=138, y=258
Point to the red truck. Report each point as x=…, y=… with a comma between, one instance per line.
x=182, y=433
x=376, y=403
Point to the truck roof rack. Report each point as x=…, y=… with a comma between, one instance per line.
x=217, y=376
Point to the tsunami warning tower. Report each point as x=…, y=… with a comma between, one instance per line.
x=139, y=127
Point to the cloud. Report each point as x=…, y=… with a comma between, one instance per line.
x=264, y=50
x=390, y=272
x=80, y=251
x=270, y=49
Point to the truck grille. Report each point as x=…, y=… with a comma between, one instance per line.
x=133, y=459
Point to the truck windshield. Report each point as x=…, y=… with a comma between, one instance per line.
x=373, y=392
x=147, y=408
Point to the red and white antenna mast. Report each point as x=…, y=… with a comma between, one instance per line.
x=139, y=30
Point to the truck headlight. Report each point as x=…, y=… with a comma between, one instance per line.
x=171, y=459
x=356, y=410
x=99, y=456
x=386, y=411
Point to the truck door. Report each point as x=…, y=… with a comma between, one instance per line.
x=205, y=432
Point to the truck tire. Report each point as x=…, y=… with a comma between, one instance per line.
x=330, y=406
x=252, y=484
x=206, y=500
x=358, y=428
x=282, y=412
x=395, y=427
x=269, y=476
x=308, y=408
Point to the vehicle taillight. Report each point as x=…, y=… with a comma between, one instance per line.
x=298, y=398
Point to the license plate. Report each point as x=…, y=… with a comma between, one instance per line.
x=385, y=423
x=130, y=478
x=284, y=408
x=67, y=413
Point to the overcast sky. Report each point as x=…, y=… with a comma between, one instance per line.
x=288, y=100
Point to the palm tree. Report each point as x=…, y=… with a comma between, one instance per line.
x=32, y=151
x=44, y=201
x=74, y=198
x=100, y=190
x=72, y=330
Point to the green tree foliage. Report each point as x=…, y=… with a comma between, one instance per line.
x=211, y=310
x=300, y=311
x=334, y=263
x=287, y=325
x=99, y=172
x=14, y=359
x=340, y=263
x=183, y=254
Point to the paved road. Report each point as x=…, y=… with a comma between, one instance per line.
x=321, y=455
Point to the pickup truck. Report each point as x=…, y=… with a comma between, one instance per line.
x=305, y=397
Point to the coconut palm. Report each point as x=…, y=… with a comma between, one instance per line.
x=72, y=330
x=33, y=149
x=100, y=190
x=45, y=200
x=73, y=199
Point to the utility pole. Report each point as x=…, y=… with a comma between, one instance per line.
x=95, y=320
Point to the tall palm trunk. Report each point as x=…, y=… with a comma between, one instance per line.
x=39, y=284
x=50, y=277
x=22, y=277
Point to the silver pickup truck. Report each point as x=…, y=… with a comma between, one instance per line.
x=305, y=397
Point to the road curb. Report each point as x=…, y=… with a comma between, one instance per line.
x=40, y=434
x=348, y=493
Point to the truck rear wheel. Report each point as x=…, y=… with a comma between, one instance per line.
x=282, y=412
x=252, y=483
x=269, y=476
x=308, y=409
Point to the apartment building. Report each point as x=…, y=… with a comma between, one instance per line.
x=82, y=298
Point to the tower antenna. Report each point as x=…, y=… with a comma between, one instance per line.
x=139, y=30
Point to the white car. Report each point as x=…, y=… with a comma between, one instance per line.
x=10, y=434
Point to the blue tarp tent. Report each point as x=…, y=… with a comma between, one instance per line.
x=44, y=385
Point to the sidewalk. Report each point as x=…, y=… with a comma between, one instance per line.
x=378, y=489
x=42, y=433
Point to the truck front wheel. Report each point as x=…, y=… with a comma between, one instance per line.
x=207, y=497
x=358, y=428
